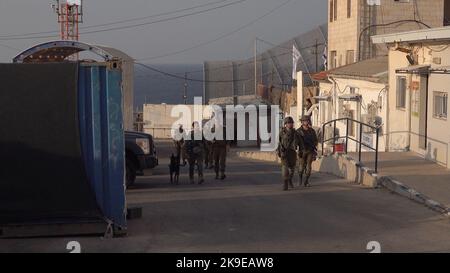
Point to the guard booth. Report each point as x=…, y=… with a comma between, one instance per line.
x=62, y=150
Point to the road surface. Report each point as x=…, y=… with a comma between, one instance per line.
x=250, y=213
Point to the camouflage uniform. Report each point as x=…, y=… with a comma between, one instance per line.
x=195, y=150
x=287, y=151
x=307, y=152
x=209, y=154
x=220, y=148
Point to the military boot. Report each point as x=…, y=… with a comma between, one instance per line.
x=223, y=176
x=291, y=184
x=307, y=184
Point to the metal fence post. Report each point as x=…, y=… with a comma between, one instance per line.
x=334, y=138
x=360, y=141
x=323, y=139
x=346, y=138
x=376, y=151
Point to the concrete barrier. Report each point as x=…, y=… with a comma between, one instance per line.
x=346, y=167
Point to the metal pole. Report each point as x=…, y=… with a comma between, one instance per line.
x=323, y=139
x=376, y=151
x=256, y=66
x=185, y=89
x=346, y=138
x=360, y=141
x=317, y=56
x=334, y=137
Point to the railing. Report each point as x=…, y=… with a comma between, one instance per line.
x=348, y=138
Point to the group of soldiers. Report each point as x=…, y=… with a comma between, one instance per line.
x=294, y=144
x=199, y=152
x=302, y=144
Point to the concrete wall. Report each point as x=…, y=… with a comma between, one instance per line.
x=398, y=118
x=158, y=120
x=343, y=34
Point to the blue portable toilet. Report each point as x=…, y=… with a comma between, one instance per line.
x=68, y=140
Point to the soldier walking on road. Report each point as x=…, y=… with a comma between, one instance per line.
x=209, y=155
x=308, y=150
x=287, y=151
x=195, y=152
x=220, y=148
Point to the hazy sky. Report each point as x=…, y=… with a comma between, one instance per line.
x=28, y=16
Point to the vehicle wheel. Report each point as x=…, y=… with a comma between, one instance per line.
x=130, y=173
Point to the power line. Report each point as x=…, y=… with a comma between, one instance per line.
x=221, y=36
x=136, y=25
x=399, y=22
x=9, y=47
x=243, y=63
x=185, y=78
x=120, y=22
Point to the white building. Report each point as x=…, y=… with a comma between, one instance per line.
x=358, y=92
x=419, y=80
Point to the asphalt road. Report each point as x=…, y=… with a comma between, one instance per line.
x=250, y=213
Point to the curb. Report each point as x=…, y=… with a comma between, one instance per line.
x=405, y=191
x=380, y=181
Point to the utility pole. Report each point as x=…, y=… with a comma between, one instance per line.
x=185, y=89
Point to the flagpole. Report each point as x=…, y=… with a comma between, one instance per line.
x=256, y=67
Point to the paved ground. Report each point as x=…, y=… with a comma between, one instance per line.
x=250, y=213
x=422, y=175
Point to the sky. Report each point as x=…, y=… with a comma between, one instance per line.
x=298, y=16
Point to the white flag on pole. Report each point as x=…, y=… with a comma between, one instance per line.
x=295, y=57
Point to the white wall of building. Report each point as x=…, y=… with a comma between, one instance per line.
x=404, y=123
x=373, y=94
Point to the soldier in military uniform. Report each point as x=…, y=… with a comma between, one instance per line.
x=287, y=151
x=308, y=150
x=194, y=147
x=220, y=148
x=209, y=154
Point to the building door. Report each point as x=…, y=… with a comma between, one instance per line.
x=423, y=112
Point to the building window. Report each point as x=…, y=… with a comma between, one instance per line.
x=440, y=105
x=335, y=9
x=349, y=8
x=331, y=10
x=401, y=92
x=350, y=58
x=333, y=59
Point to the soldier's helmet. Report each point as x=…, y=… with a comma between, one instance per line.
x=306, y=118
x=288, y=120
